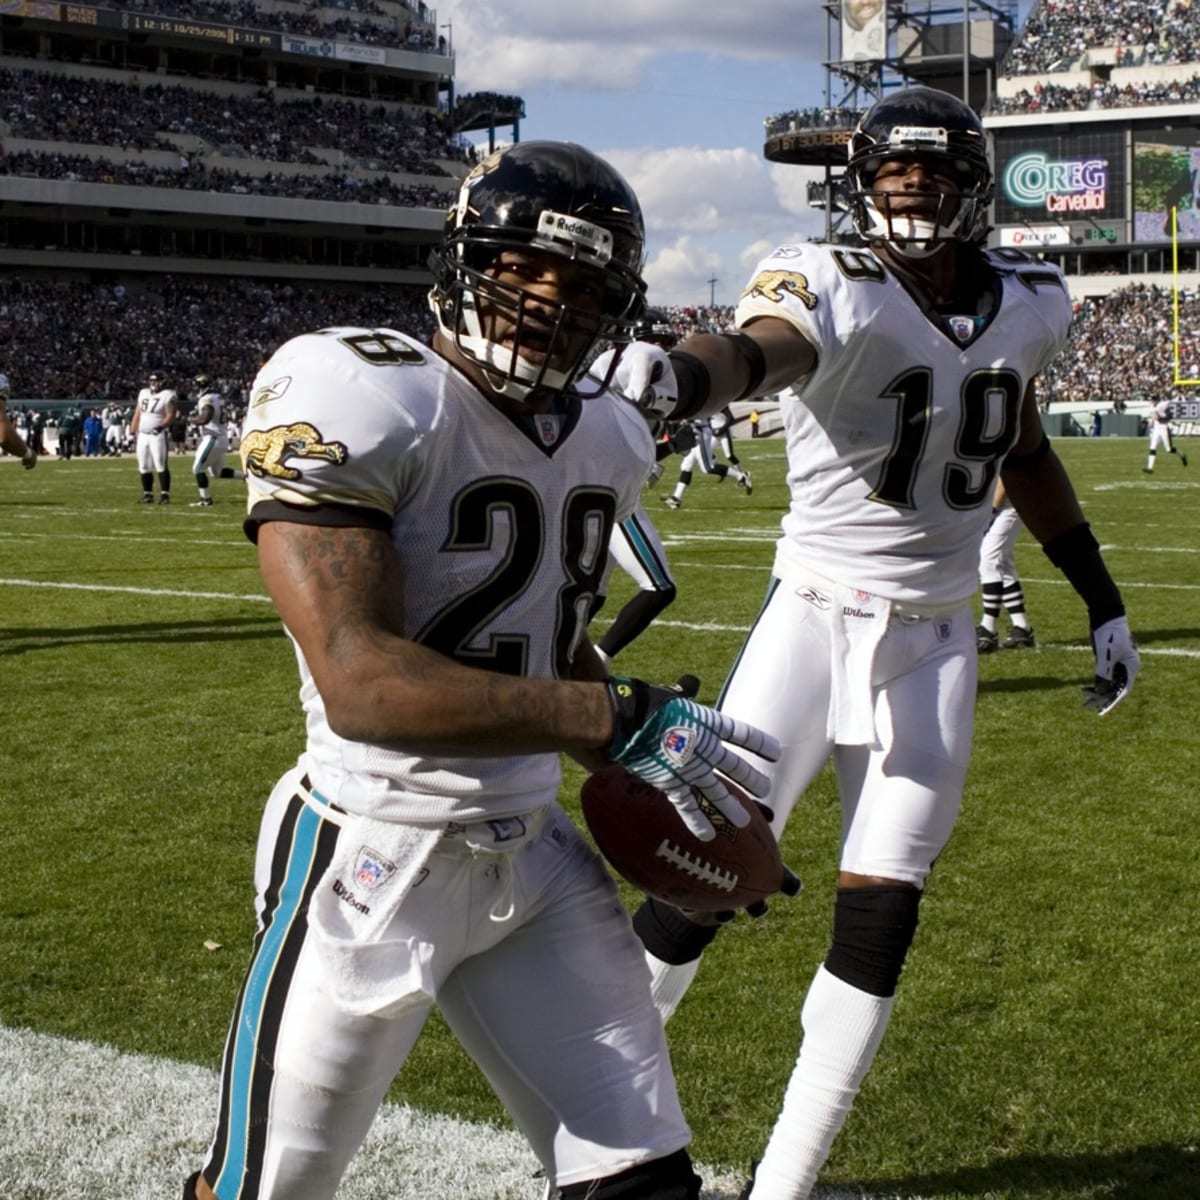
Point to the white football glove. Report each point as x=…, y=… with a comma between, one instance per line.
x=664, y=737
x=645, y=376
x=1117, y=665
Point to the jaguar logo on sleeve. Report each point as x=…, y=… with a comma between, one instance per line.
x=774, y=285
x=264, y=450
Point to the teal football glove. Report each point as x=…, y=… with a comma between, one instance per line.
x=677, y=746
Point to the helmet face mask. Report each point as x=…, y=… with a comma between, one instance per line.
x=937, y=130
x=540, y=263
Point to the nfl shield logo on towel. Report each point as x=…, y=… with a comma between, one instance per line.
x=371, y=868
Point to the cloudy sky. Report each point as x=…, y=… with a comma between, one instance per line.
x=674, y=94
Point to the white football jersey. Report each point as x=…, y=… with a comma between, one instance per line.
x=895, y=438
x=502, y=527
x=214, y=425
x=1162, y=412
x=153, y=407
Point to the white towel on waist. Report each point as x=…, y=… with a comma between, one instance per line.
x=858, y=623
x=374, y=867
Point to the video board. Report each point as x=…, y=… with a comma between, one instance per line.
x=1059, y=188
x=1166, y=175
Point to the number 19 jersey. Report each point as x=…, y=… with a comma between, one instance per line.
x=895, y=438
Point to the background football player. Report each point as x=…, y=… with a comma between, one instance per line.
x=699, y=456
x=156, y=407
x=432, y=528
x=999, y=582
x=211, y=449
x=1160, y=435
x=635, y=546
x=909, y=363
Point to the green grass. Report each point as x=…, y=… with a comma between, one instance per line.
x=1044, y=1042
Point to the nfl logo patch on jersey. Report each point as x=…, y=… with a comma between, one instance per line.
x=548, y=427
x=371, y=868
x=963, y=328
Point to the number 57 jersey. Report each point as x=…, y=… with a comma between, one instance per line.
x=894, y=440
x=500, y=524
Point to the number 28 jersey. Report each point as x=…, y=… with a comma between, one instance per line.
x=895, y=438
x=501, y=526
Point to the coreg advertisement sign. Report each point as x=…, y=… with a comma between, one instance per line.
x=1056, y=186
x=1067, y=178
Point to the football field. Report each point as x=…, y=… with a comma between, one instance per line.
x=1044, y=1043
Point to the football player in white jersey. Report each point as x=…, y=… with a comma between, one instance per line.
x=1160, y=435
x=150, y=428
x=432, y=525
x=213, y=445
x=635, y=546
x=909, y=363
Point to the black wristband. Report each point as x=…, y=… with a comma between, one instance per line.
x=631, y=701
x=1076, y=554
x=751, y=351
x=694, y=383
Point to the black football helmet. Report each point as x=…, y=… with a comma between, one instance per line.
x=920, y=122
x=655, y=326
x=554, y=197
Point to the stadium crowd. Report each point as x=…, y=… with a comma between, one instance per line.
x=69, y=340
x=1147, y=33
x=1053, y=97
x=93, y=342
x=811, y=118
x=41, y=106
x=194, y=175
x=365, y=21
x=1121, y=350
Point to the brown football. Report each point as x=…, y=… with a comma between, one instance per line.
x=641, y=834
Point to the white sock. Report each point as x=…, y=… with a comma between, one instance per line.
x=843, y=1027
x=669, y=982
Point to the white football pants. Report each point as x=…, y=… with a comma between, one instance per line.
x=523, y=944
x=900, y=797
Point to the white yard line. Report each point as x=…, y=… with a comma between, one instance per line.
x=691, y=626
x=79, y=1120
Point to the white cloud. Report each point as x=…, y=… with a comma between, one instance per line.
x=690, y=189
x=712, y=214
x=680, y=273
x=712, y=209
x=609, y=44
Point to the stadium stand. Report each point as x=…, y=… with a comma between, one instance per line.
x=239, y=171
